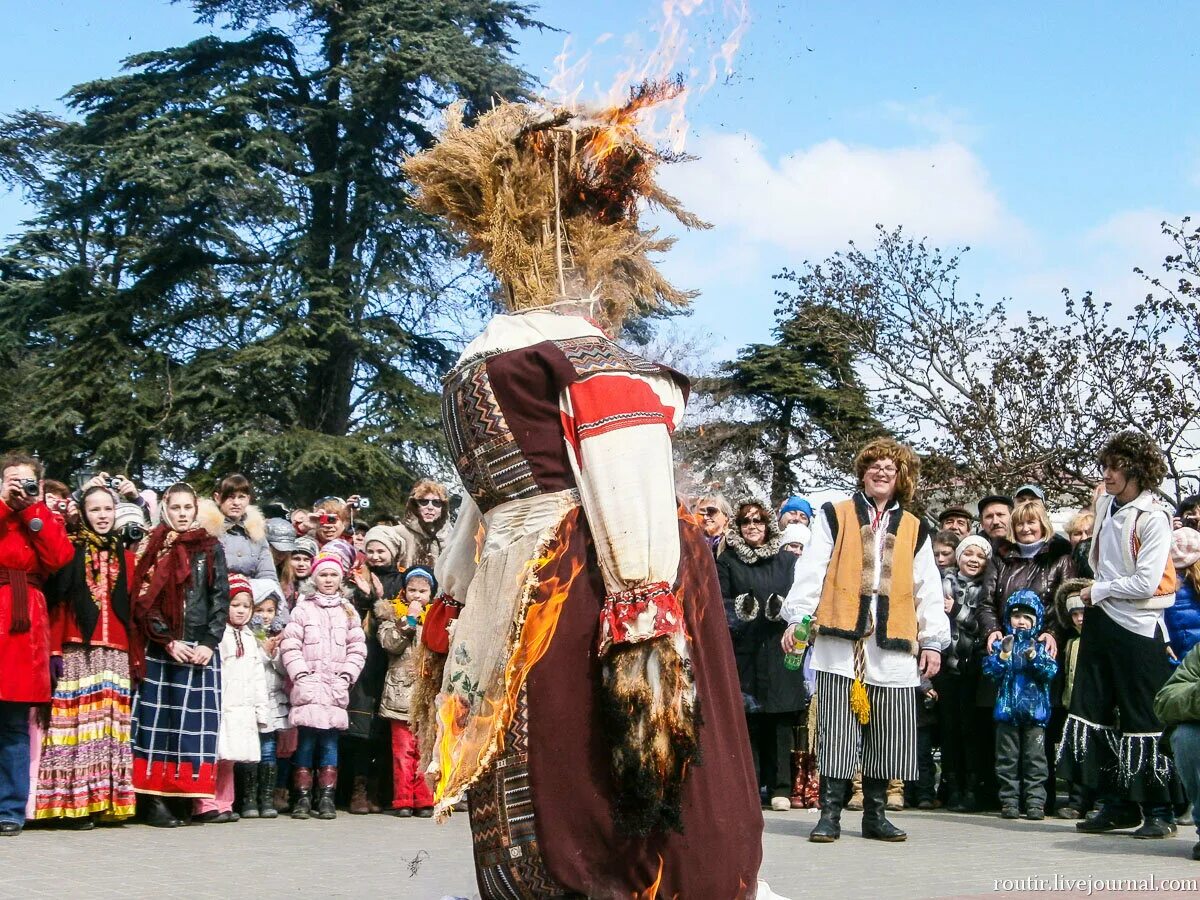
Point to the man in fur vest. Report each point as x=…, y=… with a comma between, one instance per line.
x=869, y=580
x=1112, y=742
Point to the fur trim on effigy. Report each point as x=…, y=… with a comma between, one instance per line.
x=652, y=715
x=422, y=702
x=212, y=520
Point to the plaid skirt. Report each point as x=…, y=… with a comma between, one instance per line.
x=86, y=764
x=176, y=718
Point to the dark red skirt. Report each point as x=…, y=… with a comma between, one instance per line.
x=542, y=816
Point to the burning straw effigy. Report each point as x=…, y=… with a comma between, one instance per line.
x=551, y=196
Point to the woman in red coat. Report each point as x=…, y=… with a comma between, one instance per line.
x=33, y=545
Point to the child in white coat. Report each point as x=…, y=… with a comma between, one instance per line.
x=243, y=703
x=259, y=787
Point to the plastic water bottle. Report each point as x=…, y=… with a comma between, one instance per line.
x=794, y=661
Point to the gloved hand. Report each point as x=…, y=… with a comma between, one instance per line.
x=1006, y=645
x=1031, y=652
x=56, y=671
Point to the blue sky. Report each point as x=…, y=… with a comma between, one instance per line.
x=1052, y=138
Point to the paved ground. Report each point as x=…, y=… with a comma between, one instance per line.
x=946, y=855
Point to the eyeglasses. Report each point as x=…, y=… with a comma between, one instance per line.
x=708, y=511
x=754, y=521
x=431, y=501
x=881, y=469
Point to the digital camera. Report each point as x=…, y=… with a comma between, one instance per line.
x=30, y=487
x=362, y=503
x=134, y=532
x=327, y=518
x=114, y=483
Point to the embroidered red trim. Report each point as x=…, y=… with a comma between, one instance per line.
x=640, y=614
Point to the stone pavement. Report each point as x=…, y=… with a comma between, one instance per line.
x=946, y=855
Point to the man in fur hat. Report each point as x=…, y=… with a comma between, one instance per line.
x=869, y=580
x=1112, y=742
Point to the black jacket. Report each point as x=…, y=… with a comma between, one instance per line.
x=1007, y=572
x=206, y=604
x=763, y=581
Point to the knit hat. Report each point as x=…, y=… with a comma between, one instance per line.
x=129, y=514
x=307, y=546
x=973, y=540
x=1185, y=548
x=796, y=504
x=326, y=560
x=795, y=534
x=1073, y=603
x=421, y=572
x=281, y=535
x=239, y=584
x=343, y=550
x=386, y=535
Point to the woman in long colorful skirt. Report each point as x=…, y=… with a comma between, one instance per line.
x=180, y=613
x=86, y=768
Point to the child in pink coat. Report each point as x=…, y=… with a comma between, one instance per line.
x=323, y=649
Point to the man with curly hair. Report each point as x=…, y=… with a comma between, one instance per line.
x=1112, y=742
x=869, y=581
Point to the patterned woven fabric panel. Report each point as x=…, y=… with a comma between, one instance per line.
x=485, y=452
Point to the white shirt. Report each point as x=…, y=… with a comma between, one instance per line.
x=1114, y=584
x=884, y=668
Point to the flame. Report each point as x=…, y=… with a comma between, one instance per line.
x=541, y=620
x=673, y=52
x=537, y=630
x=618, y=124
x=480, y=534
x=651, y=892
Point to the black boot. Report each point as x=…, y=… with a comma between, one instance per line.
x=247, y=776
x=267, y=773
x=1158, y=821
x=326, y=791
x=1113, y=815
x=303, y=780
x=832, y=793
x=874, y=822
x=156, y=813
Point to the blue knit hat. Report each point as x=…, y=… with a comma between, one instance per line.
x=421, y=572
x=796, y=504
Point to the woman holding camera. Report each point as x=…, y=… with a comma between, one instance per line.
x=240, y=527
x=86, y=769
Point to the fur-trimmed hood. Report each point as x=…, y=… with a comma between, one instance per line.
x=214, y=521
x=385, y=611
x=736, y=543
x=1070, y=587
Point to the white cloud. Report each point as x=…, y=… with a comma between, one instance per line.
x=814, y=200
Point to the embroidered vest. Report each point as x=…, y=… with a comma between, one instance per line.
x=845, y=605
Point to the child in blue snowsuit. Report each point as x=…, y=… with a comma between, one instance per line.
x=1024, y=670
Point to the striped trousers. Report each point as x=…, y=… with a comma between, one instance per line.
x=886, y=746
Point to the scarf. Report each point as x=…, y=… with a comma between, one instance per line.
x=96, y=574
x=1029, y=551
x=164, y=574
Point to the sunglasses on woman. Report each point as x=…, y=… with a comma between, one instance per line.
x=754, y=521
x=709, y=511
x=431, y=501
